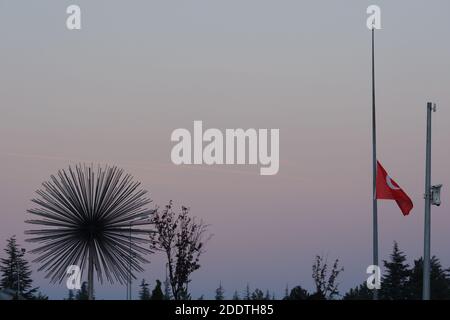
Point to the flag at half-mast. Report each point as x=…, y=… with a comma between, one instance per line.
x=388, y=189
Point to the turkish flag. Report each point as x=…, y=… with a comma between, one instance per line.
x=388, y=189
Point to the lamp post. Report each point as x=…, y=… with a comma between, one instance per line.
x=432, y=197
x=134, y=222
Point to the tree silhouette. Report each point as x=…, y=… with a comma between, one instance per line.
x=394, y=282
x=247, y=294
x=182, y=238
x=83, y=293
x=70, y=295
x=298, y=293
x=220, y=292
x=440, y=280
x=286, y=293
x=401, y=282
x=326, y=285
x=89, y=218
x=144, y=292
x=257, y=295
x=40, y=296
x=167, y=294
x=359, y=293
x=15, y=271
x=157, y=293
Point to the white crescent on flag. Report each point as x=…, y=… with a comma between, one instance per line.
x=390, y=184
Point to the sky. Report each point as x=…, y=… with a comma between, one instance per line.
x=113, y=92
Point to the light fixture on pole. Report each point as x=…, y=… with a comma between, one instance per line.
x=436, y=195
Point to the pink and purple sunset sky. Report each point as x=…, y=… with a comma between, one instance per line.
x=113, y=92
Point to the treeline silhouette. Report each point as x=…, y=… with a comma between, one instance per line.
x=399, y=281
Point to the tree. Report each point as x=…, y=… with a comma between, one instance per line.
x=236, y=295
x=439, y=282
x=267, y=296
x=83, y=293
x=394, y=282
x=220, y=292
x=298, y=293
x=359, y=293
x=400, y=282
x=247, y=295
x=71, y=295
x=326, y=286
x=167, y=295
x=286, y=293
x=91, y=218
x=157, y=293
x=144, y=292
x=182, y=238
x=40, y=296
x=15, y=271
x=257, y=295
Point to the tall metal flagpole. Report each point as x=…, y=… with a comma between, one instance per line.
x=374, y=163
x=428, y=194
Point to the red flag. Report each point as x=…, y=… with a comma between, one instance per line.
x=388, y=189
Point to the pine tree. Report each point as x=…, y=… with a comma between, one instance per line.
x=71, y=295
x=220, y=292
x=40, y=296
x=257, y=295
x=247, y=295
x=359, y=293
x=144, y=293
x=167, y=295
x=236, y=295
x=15, y=271
x=83, y=293
x=298, y=293
x=394, y=282
x=439, y=282
x=267, y=296
x=157, y=293
x=286, y=293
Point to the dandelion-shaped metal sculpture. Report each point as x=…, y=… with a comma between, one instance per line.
x=93, y=219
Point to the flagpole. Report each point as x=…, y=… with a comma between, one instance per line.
x=427, y=231
x=374, y=164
